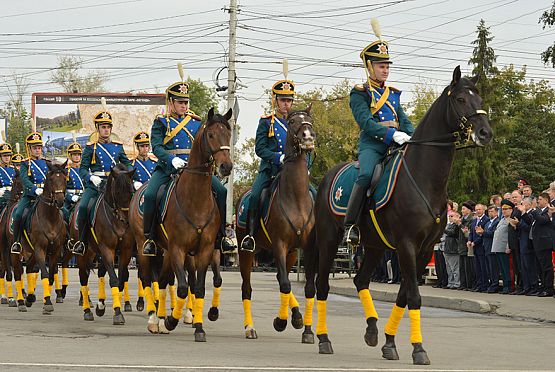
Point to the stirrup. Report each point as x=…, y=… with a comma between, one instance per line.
x=78, y=248
x=226, y=244
x=244, y=244
x=349, y=236
x=149, y=248
x=16, y=248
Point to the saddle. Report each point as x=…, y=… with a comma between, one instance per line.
x=162, y=199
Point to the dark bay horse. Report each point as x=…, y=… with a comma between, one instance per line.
x=109, y=235
x=413, y=220
x=289, y=226
x=45, y=239
x=6, y=273
x=189, y=229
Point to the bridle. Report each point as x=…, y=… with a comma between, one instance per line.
x=121, y=213
x=50, y=200
x=207, y=152
x=297, y=149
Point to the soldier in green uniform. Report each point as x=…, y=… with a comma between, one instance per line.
x=172, y=138
x=75, y=185
x=377, y=110
x=269, y=146
x=99, y=157
x=7, y=174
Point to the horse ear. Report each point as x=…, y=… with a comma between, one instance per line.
x=456, y=76
x=475, y=79
x=65, y=164
x=210, y=113
x=228, y=114
x=48, y=164
x=308, y=109
x=131, y=173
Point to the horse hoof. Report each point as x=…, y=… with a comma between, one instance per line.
x=200, y=335
x=325, y=348
x=59, y=300
x=419, y=355
x=162, y=327
x=22, y=308
x=213, y=314
x=170, y=322
x=100, y=309
x=47, y=308
x=118, y=319
x=296, y=318
x=12, y=302
x=88, y=315
x=127, y=307
x=31, y=298
x=64, y=291
x=280, y=324
x=188, y=318
x=308, y=336
x=390, y=352
x=3, y=301
x=140, y=304
x=27, y=303
x=371, y=337
x=250, y=333
x=152, y=324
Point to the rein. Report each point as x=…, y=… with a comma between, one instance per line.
x=207, y=153
x=297, y=150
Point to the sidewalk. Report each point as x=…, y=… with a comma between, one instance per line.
x=519, y=307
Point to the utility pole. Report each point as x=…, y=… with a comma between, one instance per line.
x=231, y=100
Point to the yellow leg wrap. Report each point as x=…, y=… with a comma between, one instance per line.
x=35, y=279
x=177, y=312
x=190, y=299
x=115, y=298
x=2, y=286
x=293, y=301
x=394, y=320
x=85, y=294
x=198, y=306
x=309, y=308
x=162, y=303
x=65, y=276
x=248, y=315
x=150, y=307
x=57, y=282
x=141, y=290
x=156, y=289
x=46, y=287
x=173, y=297
x=10, y=289
x=101, y=288
x=30, y=285
x=367, y=304
x=19, y=289
x=126, y=297
x=216, y=297
x=284, y=306
x=321, y=326
x=415, y=330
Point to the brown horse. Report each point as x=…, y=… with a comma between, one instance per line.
x=45, y=238
x=189, y=229
x=412, y=221
x=289, y=225
x=6, y=273
x=109, y=234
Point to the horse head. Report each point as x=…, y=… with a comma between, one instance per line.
x=300, y=135
x=119, y=188
x=216, y=138
x=55, y=184
x=466, y=115
x=17, y=187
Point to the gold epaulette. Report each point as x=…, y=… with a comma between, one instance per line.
x=117, y=142
x=393, y=89
x=266, y=116
x=153, y=158
x=360, y=87
x=193, y=115
x=90, y=143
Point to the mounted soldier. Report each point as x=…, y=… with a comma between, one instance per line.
x=17, y=158
x=99, y=157
x=33, y=172
x=172, y=138
x=377, y=110
x=75, y=184
x=143, y=164
x=7, y=174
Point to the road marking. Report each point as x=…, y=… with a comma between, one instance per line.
x=244, y=368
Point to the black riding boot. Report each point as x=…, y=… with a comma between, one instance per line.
x=356, y=202
x=79, y=247
x=149, y=246
x=248, y=244
x=16, y=246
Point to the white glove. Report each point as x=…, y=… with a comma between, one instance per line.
x=137, y=185
x=75, y=198
x=178, y=163
x=281, y=158
x=2, y=191
x=96, y=180
x=400, y=137
x=39, y=191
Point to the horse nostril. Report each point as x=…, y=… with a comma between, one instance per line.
x=484, y=133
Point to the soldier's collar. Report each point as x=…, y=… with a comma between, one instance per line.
x=103, y=141
x=376, y=84
x=143, y=158
x=175, y=116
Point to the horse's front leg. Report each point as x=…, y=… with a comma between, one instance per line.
x=213, y=313
x=280, y=254
x=108, y=260
x=18, y=274
x=123, y=272
x=100, y=308
x=47, y=308
x=202, y=260
x=177, y=258
x=83, y=263
x=296, y=316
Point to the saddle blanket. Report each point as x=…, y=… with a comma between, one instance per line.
x=162, y=199
x=342, y=185
x=242, y=215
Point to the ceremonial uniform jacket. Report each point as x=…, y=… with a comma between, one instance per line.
x=99, y=159
x=173, y=136
x=7, y=174
x=34, y=178
x=143, y=169
x=270, y=147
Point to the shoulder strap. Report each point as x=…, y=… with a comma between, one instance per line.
x=176, y=130
x=381, y=101
x=39, y=169
x=142, y=166
x=107, y=152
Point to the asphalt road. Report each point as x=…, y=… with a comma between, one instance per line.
x=454, y=340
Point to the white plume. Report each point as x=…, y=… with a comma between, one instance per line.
x=33, y=125
x=103, y=103
x=74, y=135
x=17, y=148
x=285, y=68
x=376, y=28
x=180, y=69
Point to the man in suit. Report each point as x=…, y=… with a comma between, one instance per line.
x=476, y=242
x=516, y=198
x=527, y=257
x=542, y=241
x=487, y=240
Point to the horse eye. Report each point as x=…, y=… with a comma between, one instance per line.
x=461, y=99
x=210, y=135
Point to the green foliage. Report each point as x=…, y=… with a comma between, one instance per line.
x=202, y=97
x=68, y=77
x=246, y=168
x=548, y=20
x=424, y=96
x=16, y=112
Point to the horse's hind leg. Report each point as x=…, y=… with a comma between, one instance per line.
x=362, y=281
x=164, y=278
x=178, y=261
x=202, y=260
x=65, y=272
x=83, y=263
x=213, y=313
x=245, y=264
x=123, y=275
x=100, y=308
x=108, y=261
x=280, y=253
x=47, y=308
x=30, y=271
x=296, y=316
x=309, y=292
x=18, y=273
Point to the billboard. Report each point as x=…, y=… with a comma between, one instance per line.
x=58, y=114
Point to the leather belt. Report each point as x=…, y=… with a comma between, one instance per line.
x=389, y=124
x=179, y=151
x=101, y=174
x=75, y=191
x=7, y=188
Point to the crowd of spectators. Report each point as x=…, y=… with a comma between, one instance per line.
x=505, y=247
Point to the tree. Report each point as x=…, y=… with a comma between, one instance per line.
x=16, y=112
x=424, y=96
x=202, y=97
x=246, y=168
x=68, y=77
x=548, y=20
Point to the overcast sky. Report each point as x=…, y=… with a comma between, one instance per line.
x=138, y=43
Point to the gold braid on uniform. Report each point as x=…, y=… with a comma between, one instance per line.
x=271, y=129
